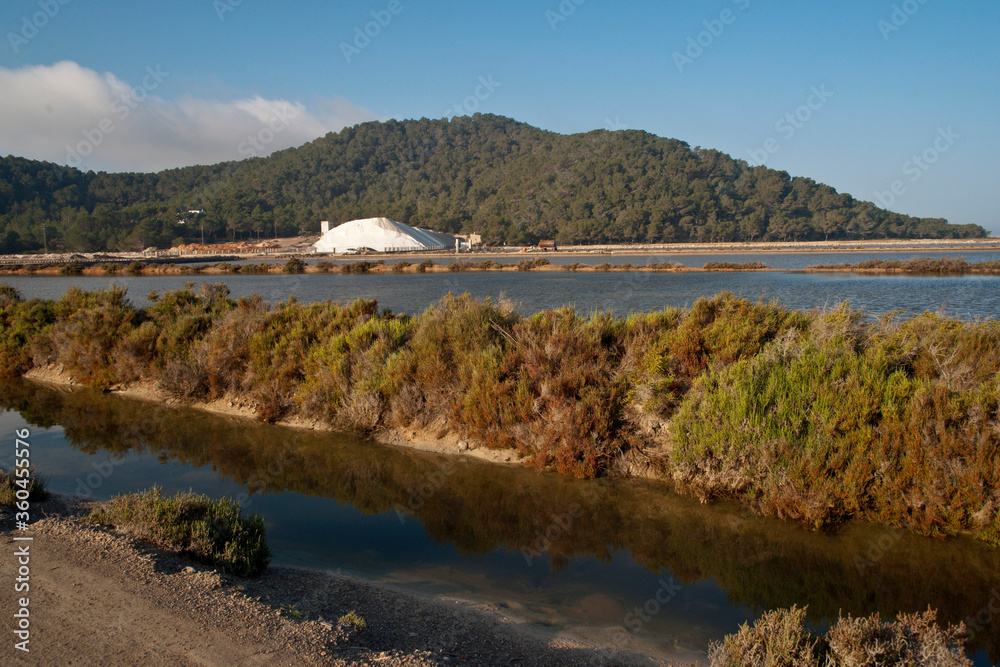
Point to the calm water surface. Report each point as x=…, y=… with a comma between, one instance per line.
x=484, y=531
x=966, y=296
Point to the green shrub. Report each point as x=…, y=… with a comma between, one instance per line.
x=294, y=265
x=9, y=295
x=353, y=619
x=87, y=328
x=9, y=487
x=211, y=531
x=359, y=267
x=779, y=638
x=71, y=269
x=529, y=264
x=255, y=269
x=776, y=639
x=734, y=266
x=883, y=421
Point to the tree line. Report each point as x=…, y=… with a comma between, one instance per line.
x=509, y=181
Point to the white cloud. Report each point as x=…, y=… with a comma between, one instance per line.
x=72, y=115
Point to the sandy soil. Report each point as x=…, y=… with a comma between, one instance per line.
x=100, y=597
x=435, y=437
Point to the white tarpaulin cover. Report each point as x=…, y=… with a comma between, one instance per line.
x=381, y=234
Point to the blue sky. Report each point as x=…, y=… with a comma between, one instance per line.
x=924, y=83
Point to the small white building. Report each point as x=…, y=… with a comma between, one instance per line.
x=383, y=235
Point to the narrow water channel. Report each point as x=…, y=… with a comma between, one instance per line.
x=622, y=561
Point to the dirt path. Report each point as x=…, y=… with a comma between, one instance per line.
x=101, y=598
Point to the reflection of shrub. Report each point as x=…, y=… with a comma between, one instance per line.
x=211, y=531
x=779, y=638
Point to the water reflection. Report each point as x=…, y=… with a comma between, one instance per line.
x=568, y=551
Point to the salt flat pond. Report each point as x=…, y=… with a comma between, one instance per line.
x=965, y=296
x=572, y=555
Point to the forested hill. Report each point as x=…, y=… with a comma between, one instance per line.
x=511, y=182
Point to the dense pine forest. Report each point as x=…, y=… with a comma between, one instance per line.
x=511, y=182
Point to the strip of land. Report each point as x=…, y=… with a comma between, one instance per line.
x=296, y=247
x=812, y=417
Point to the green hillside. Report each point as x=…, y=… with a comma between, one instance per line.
x=511, y=182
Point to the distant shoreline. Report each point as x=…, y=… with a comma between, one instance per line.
x=293, y=247
x=594, y=258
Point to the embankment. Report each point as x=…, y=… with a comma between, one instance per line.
x=815, y=417
x=368, y=266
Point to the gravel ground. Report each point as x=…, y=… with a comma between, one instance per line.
x=100, y=597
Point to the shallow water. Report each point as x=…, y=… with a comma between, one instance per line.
x=965, y=296
x=630, y=562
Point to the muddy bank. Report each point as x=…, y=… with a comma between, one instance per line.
x=431, y=438
x=101, y=597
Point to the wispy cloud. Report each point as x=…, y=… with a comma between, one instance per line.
x=73, y=115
